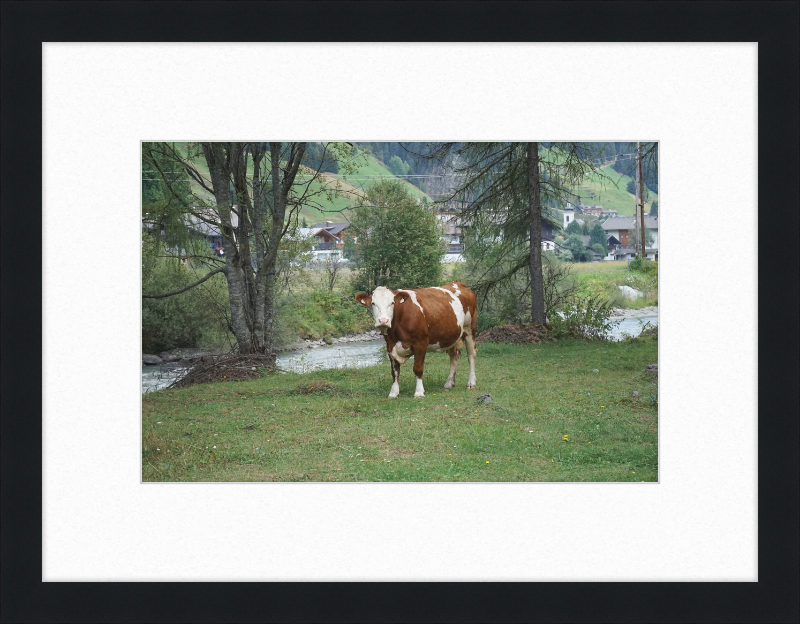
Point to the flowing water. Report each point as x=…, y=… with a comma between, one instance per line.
x=341, y=355
x=350, y=355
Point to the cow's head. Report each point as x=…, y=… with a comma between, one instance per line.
x=382, y=303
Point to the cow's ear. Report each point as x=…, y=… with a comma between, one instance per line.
x=364, y=299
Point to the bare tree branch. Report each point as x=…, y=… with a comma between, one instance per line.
x=185, y=288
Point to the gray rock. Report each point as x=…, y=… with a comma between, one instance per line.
x=631, y=293
x=652, y=369
x=595, y=371
x=635, y=394
x=485, y=398
x=152, y=360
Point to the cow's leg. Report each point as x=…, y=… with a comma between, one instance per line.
x=472, y=351
x=455, y=356
x=419, y=366
x=395, y=378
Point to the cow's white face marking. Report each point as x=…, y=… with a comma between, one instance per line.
x=413, y=296
x=383, y=308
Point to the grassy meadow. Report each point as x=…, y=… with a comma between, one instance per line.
x=603, y=279
x=350, y=185
x=552, y=419
x=610, y=192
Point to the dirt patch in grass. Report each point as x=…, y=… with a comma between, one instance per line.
x=402, y=452
x=517, y=334
x=319, y=385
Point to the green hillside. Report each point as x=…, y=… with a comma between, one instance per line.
x=607, y=189
x=351, y=185
x=375, y=167
x=329, y=205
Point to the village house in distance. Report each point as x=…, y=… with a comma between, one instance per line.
x=618, y=229
x=328, y=238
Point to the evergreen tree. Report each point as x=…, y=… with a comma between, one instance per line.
x=654, y=208
x=506, y=190
x=598, y=236
x=398, y=166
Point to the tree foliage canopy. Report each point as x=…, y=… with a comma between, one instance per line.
x=597, y=236
x=399, y=242
x=494, y=198
x=249, y=194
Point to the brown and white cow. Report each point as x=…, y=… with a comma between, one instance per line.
x=425, y=320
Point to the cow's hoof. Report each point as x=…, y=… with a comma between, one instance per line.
x=449, y=386
x=419, y=396
x=472, y=387
x=392, y=396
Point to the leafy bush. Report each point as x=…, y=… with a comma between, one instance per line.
x=643, y=265
x=195, y=318
x=585, y=318
x=486, y=321
x=647, y=331
x=321, y=313
x=605, y=285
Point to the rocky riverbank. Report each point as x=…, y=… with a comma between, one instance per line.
x=185, y=357
x=182, y=358
x=179, y=358
x=313, y=344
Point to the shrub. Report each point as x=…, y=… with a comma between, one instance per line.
x=643, y=265
x=195, y=318
x=322, y=313
x=584, y=318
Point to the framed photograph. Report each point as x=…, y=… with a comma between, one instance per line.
x=90, y=534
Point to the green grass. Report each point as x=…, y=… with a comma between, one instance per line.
x=610, y=192
x=374, y=167
x=611, y=266
x=339, y=425
x=598, y=280
x=336, y=202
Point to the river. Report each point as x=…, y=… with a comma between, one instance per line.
x=350, y=355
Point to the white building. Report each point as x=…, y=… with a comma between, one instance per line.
x=569, y=215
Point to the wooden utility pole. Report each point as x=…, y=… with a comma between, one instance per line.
x=641, y=197
x=636, y=205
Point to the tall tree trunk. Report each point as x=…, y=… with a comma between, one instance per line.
x=219, y=169
x=537, y=281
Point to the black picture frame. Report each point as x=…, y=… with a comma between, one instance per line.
x=25, y=598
